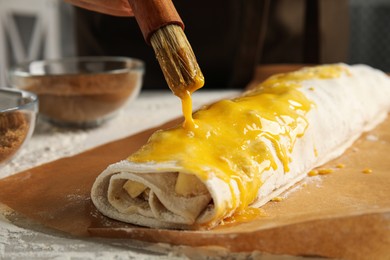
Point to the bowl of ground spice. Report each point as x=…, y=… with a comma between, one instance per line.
x=18, y=110
x=81, y=91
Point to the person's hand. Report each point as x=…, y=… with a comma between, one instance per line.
x=112, y=7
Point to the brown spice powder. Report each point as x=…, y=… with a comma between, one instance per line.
x=13, y=130
x=78, y=99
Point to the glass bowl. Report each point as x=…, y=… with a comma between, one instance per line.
x=81, y=91
x=18, y=110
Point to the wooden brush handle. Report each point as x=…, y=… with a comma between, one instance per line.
x=151, y=15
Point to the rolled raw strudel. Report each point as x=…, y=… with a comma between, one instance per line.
x=244, y=151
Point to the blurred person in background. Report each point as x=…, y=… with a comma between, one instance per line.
x=230, y=38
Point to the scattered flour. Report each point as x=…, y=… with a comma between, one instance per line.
x=372, y=138
x=20, y=243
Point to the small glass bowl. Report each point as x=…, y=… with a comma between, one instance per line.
x=18, y=110
x=80, y=91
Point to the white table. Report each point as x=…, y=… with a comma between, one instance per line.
x=49, y=143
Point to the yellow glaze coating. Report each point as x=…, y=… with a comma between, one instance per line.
x=277, y=199
x=245, y=215
x=340, y=165
x=237, y=140
x=367, y=170
x=325, y=171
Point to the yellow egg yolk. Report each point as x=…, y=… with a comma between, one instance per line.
x=186, y=101
x=237, y=140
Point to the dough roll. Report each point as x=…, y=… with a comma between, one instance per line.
x=245, y=151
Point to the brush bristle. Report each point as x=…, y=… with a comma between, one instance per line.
x=177, y=60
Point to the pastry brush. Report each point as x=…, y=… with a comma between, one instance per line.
x=163, y=28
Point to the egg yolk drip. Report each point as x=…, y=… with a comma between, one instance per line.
x=237, y=140
x=186, y=101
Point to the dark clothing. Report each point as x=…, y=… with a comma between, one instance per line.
x=227, y=41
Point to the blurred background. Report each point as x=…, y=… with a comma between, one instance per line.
x=296, y=31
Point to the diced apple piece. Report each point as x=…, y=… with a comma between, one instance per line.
x=133, y=188
x=189, y=185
